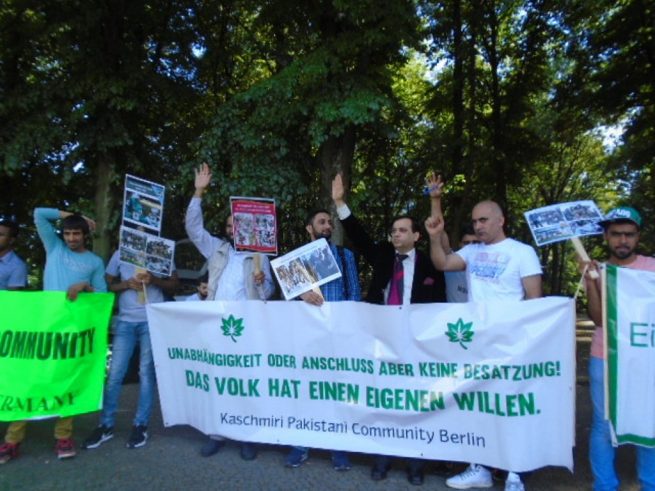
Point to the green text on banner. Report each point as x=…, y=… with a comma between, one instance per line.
x=492, y=383
x=630, y=341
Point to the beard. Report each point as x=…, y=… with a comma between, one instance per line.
x=622, y=253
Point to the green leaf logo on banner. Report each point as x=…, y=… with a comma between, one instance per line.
x=232, y=327
x=460, y=332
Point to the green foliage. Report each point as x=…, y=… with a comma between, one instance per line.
x=504, y=98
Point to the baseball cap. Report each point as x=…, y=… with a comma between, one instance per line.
x=622, y=214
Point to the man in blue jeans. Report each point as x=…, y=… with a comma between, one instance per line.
x=319, y=226
x=621, y=232
x=136, y=288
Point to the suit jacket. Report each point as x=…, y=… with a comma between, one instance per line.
x=428, y=284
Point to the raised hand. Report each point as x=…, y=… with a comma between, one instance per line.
x=337, y=190
x=434, y=184
x=434, y=226
x=203, y=178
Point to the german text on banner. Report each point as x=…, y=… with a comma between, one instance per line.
x=631, y=354
x=52, y=353
x=488, y=383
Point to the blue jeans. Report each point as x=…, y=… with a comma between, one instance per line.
x=126, y=335
x=601, y=451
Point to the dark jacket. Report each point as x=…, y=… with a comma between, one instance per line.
x=428, y=285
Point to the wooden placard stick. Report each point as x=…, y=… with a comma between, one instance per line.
x=257, y=258
x=142, y=294
x=582, y=254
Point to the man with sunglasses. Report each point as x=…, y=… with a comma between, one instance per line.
x=621, y=232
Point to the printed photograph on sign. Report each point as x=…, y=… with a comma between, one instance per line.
x=564, y=221
x=254, y=224
x=146, y=251
x=143, y=204
x=305, y=268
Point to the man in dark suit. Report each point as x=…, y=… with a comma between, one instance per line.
x=402, y=275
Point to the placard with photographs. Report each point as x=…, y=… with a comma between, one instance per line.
x=305, y=268
x=147, y=251
x=143, y=204
x=255, y=224
x=564, y=221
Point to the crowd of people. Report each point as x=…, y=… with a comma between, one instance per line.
x=487, y=266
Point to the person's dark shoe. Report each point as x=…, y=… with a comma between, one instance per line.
x=211, y=447
x=138, y=437
x=415, y=476
x=99, y=436
x=248, y=451
x=296, y=458
x=379, y=472
x=340, y=461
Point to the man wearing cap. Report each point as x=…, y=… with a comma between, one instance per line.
x=13, y=271
x=621, y=232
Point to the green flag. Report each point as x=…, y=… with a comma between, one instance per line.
x=52, y=353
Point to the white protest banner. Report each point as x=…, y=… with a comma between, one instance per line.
x=630, y=345
x=488, y=383
x=564, y=221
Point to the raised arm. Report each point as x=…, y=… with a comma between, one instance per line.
x=44, y=218
x=358, y=236
x=443, y=260
x=435, y=186
x=193, y=222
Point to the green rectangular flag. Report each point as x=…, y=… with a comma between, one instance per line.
x=630, y=344
x=52, y=353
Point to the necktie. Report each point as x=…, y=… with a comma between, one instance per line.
x=396, y=284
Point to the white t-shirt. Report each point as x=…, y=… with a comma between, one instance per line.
x=494, y=272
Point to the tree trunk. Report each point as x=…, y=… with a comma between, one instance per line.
x=498, y=160
x=336, y=156
x=104, y=206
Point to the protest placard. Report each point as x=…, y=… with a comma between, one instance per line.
x=53, y=353
x=143, y=204
x=147, y=251
x=254, y=224
x=305, y=268
x=564, y=221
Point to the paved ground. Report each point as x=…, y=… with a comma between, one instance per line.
x=171, y=461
